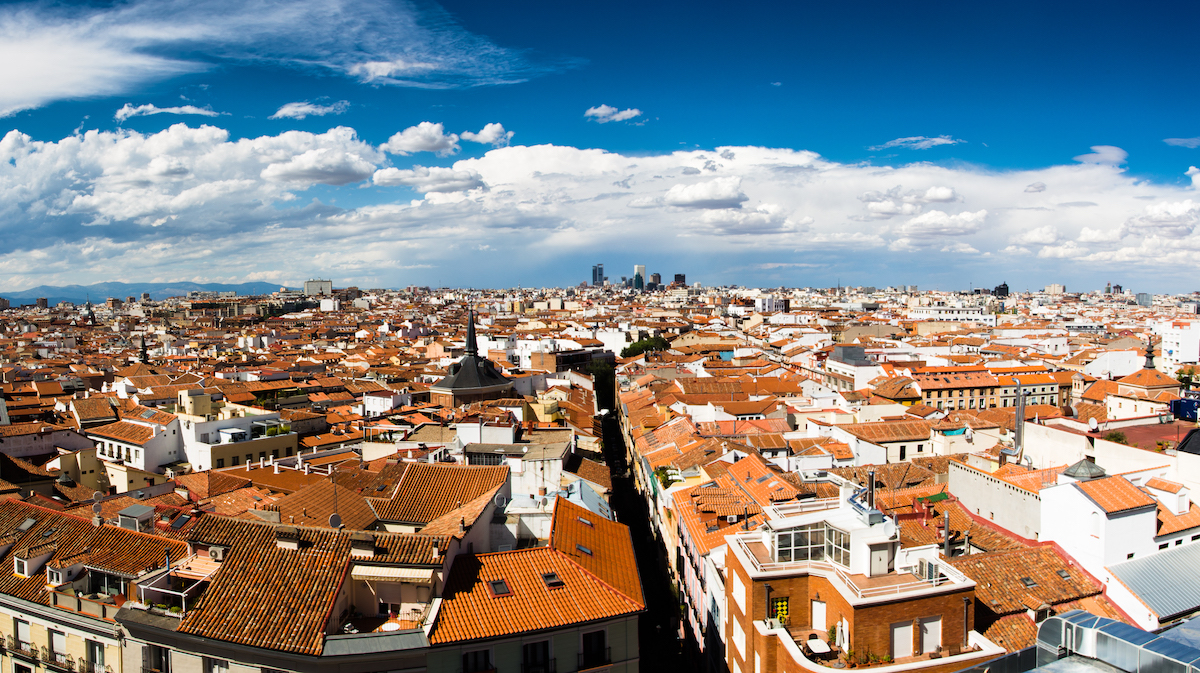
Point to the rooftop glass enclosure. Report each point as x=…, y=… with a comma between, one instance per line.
x=1122, y=646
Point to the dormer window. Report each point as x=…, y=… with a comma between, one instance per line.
x=55, y=577
x=19, y=567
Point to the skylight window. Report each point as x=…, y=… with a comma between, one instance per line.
x=500, y=588
x=552, y=580
x=1028, y=582
x=27, y=524
x=1064, y=574
x=583, y=549
x=586, y=522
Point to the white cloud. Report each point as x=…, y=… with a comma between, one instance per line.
x=603, y=114
x=186, y=200
x=425, y=180
x=491, y=134
x=1194, y=174
x=54, y=52
x=1036, y=187
x=718, y=193
x=1166, y=220
x=1041, y=236
x=1191, y=143
x=128, y=111
x=917, y=143
x=885, y=205
x=961, y=248
x=937, y=223
x=1104, y=154
x=302, y=109
x=424, y=137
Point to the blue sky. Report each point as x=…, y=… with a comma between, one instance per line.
x=467, y=143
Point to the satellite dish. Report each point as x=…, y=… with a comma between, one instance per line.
x=97, y=496
x=1093, y=425
x=96, y=508
x=335, y=521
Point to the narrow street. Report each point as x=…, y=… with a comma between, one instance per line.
x=660, y=648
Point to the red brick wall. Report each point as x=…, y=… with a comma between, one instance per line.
x=870, y=626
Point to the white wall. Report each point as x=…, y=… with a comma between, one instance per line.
x=1009, y=507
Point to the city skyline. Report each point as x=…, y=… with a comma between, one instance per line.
x=387, y=144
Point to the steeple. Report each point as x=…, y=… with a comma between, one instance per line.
x=144, y=357
x=472, y=345
x=1149, y=353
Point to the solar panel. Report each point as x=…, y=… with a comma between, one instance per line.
x=149, y=413
x=180, y=521
x=27, y=524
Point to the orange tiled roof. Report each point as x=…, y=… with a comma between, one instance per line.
x=598, y=585
x=1115, y=494
x=430, y=490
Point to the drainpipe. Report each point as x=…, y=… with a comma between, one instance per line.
x=966, y=620
x=946, y=541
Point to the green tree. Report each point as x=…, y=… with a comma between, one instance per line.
x=654, y=343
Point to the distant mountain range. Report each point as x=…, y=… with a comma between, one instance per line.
x=99, y=292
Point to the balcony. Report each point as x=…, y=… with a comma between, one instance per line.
x=787, y=509
x=549, y=666
x=589, y=659
x=906, y=579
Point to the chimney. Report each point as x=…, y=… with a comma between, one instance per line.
x=462, y=526
x=435, y=550
x=871, y=489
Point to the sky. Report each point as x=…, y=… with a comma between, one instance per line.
x=483, y=144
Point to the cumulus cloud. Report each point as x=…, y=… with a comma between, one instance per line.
x=917, y=143
x=1036, y=187
x=885, y=205
x=302, y=109
x=718, y=193
x=1166, y=220
x=1041, y=236
x=128, y=111
x=425, y=180
x=603, y=114
x=1104, y=154
x=937, y=223
x=1190, y=143
x=491, y=134
x=185, y=200
x=86, y=50
x=424, y=137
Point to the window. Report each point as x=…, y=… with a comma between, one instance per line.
x=920, y=448
x=236, y=460
x=535, y=657
x=101, y=583
x=95, y=654
x=220, y=462
x=479, y=660
x=54, y=577
x=249, y=458
x=215, y=665
x=903, y=451
x=500, y=588
x=837, y=546
x=552, y=580
x=806, y=543
x=21, y=631
x=159, y=659
x=19, y=567
x=594, y=651
x=1129, y=555
x=58, y=646
x=1163, y=545
x=1179, y=542
x=289, y=451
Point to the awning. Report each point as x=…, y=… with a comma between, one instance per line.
x=382, y=574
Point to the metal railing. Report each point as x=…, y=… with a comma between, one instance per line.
x=548, y=666
x=946, y=573
x=801, y=506
x=595, y=658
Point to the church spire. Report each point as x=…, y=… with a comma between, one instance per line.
x=472, y=345
x=1149, y=353
x=144, y=357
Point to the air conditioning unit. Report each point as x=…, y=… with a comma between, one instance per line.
x=216, y=553
x=927, y=570
x=732, y=518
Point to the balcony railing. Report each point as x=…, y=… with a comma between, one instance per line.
x=946, y=574
x=802, y=506
x=548, y=666
x=595, y=658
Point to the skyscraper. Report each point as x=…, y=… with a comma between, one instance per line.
x=681, y=278
x=597, y=275
x=639, y=276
